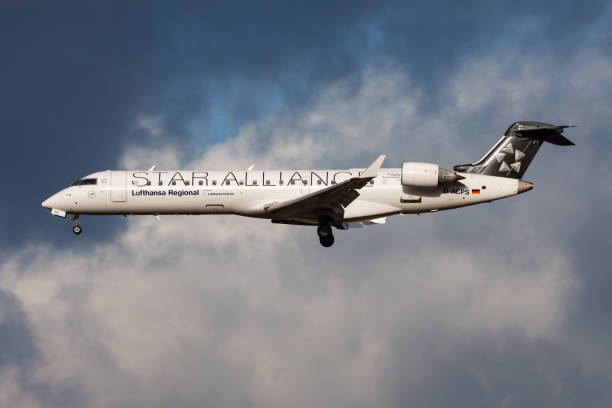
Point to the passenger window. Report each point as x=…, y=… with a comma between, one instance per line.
x=174, y=183
x=227, y=182
x=319, y=182
x=254, y=182
x=201, y=183
x=241, y=183
x=371, y=181
x=281, y=182
x=305, y=182
x=333, y=182
x=148, y=183
x=292, y=182
x=267, y=182
x=187, y=183
x=214, y=182
x=161, y=183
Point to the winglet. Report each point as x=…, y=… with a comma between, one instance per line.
x=372, y=171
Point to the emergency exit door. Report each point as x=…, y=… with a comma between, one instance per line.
x=118, y=187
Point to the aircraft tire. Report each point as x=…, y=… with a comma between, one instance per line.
x=77, y=229
x=324, y=230
x=327, y=241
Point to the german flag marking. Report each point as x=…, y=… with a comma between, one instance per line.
x=475, y=191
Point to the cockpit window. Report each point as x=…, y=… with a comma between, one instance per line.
x=85, y=182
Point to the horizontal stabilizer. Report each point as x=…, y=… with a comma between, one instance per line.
x=558, y=140
x=543, y=131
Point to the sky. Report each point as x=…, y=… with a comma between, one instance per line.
x=504, y=304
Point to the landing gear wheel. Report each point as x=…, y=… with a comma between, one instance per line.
x=324, y=230
x=77, y=229
x=327, y=241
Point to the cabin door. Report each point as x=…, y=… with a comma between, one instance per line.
x=118, y=187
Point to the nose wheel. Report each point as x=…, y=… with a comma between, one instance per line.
x=77, y=228
x=326, y=238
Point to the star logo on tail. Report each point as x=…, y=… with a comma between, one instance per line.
x=509, y=149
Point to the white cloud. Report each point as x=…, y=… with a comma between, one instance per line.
x=183, y=316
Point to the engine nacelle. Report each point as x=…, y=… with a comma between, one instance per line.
x=426, y=175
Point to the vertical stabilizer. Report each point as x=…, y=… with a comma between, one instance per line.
x=513, y=153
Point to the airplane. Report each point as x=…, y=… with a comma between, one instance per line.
x=343, y=199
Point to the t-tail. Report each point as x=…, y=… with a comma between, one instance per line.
x=513, y=153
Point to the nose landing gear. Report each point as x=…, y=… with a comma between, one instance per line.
x=77, y=228
x=326, y=237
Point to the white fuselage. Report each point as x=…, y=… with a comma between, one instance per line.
x=248, y=192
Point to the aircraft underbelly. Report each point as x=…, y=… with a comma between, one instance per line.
x=361, y=209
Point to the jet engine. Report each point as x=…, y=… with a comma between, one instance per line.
x=426, y=175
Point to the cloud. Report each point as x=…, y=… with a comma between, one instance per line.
x=471, y=307
x=234, y=315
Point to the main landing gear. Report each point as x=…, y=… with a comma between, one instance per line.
x=77, y=228
x=326, y=237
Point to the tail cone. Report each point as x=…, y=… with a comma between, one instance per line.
x=524, y=186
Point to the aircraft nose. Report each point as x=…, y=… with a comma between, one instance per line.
x=48, y=202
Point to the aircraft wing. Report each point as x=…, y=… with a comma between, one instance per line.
x=328, y=202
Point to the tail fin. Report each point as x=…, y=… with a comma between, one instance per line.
x=513, y=153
